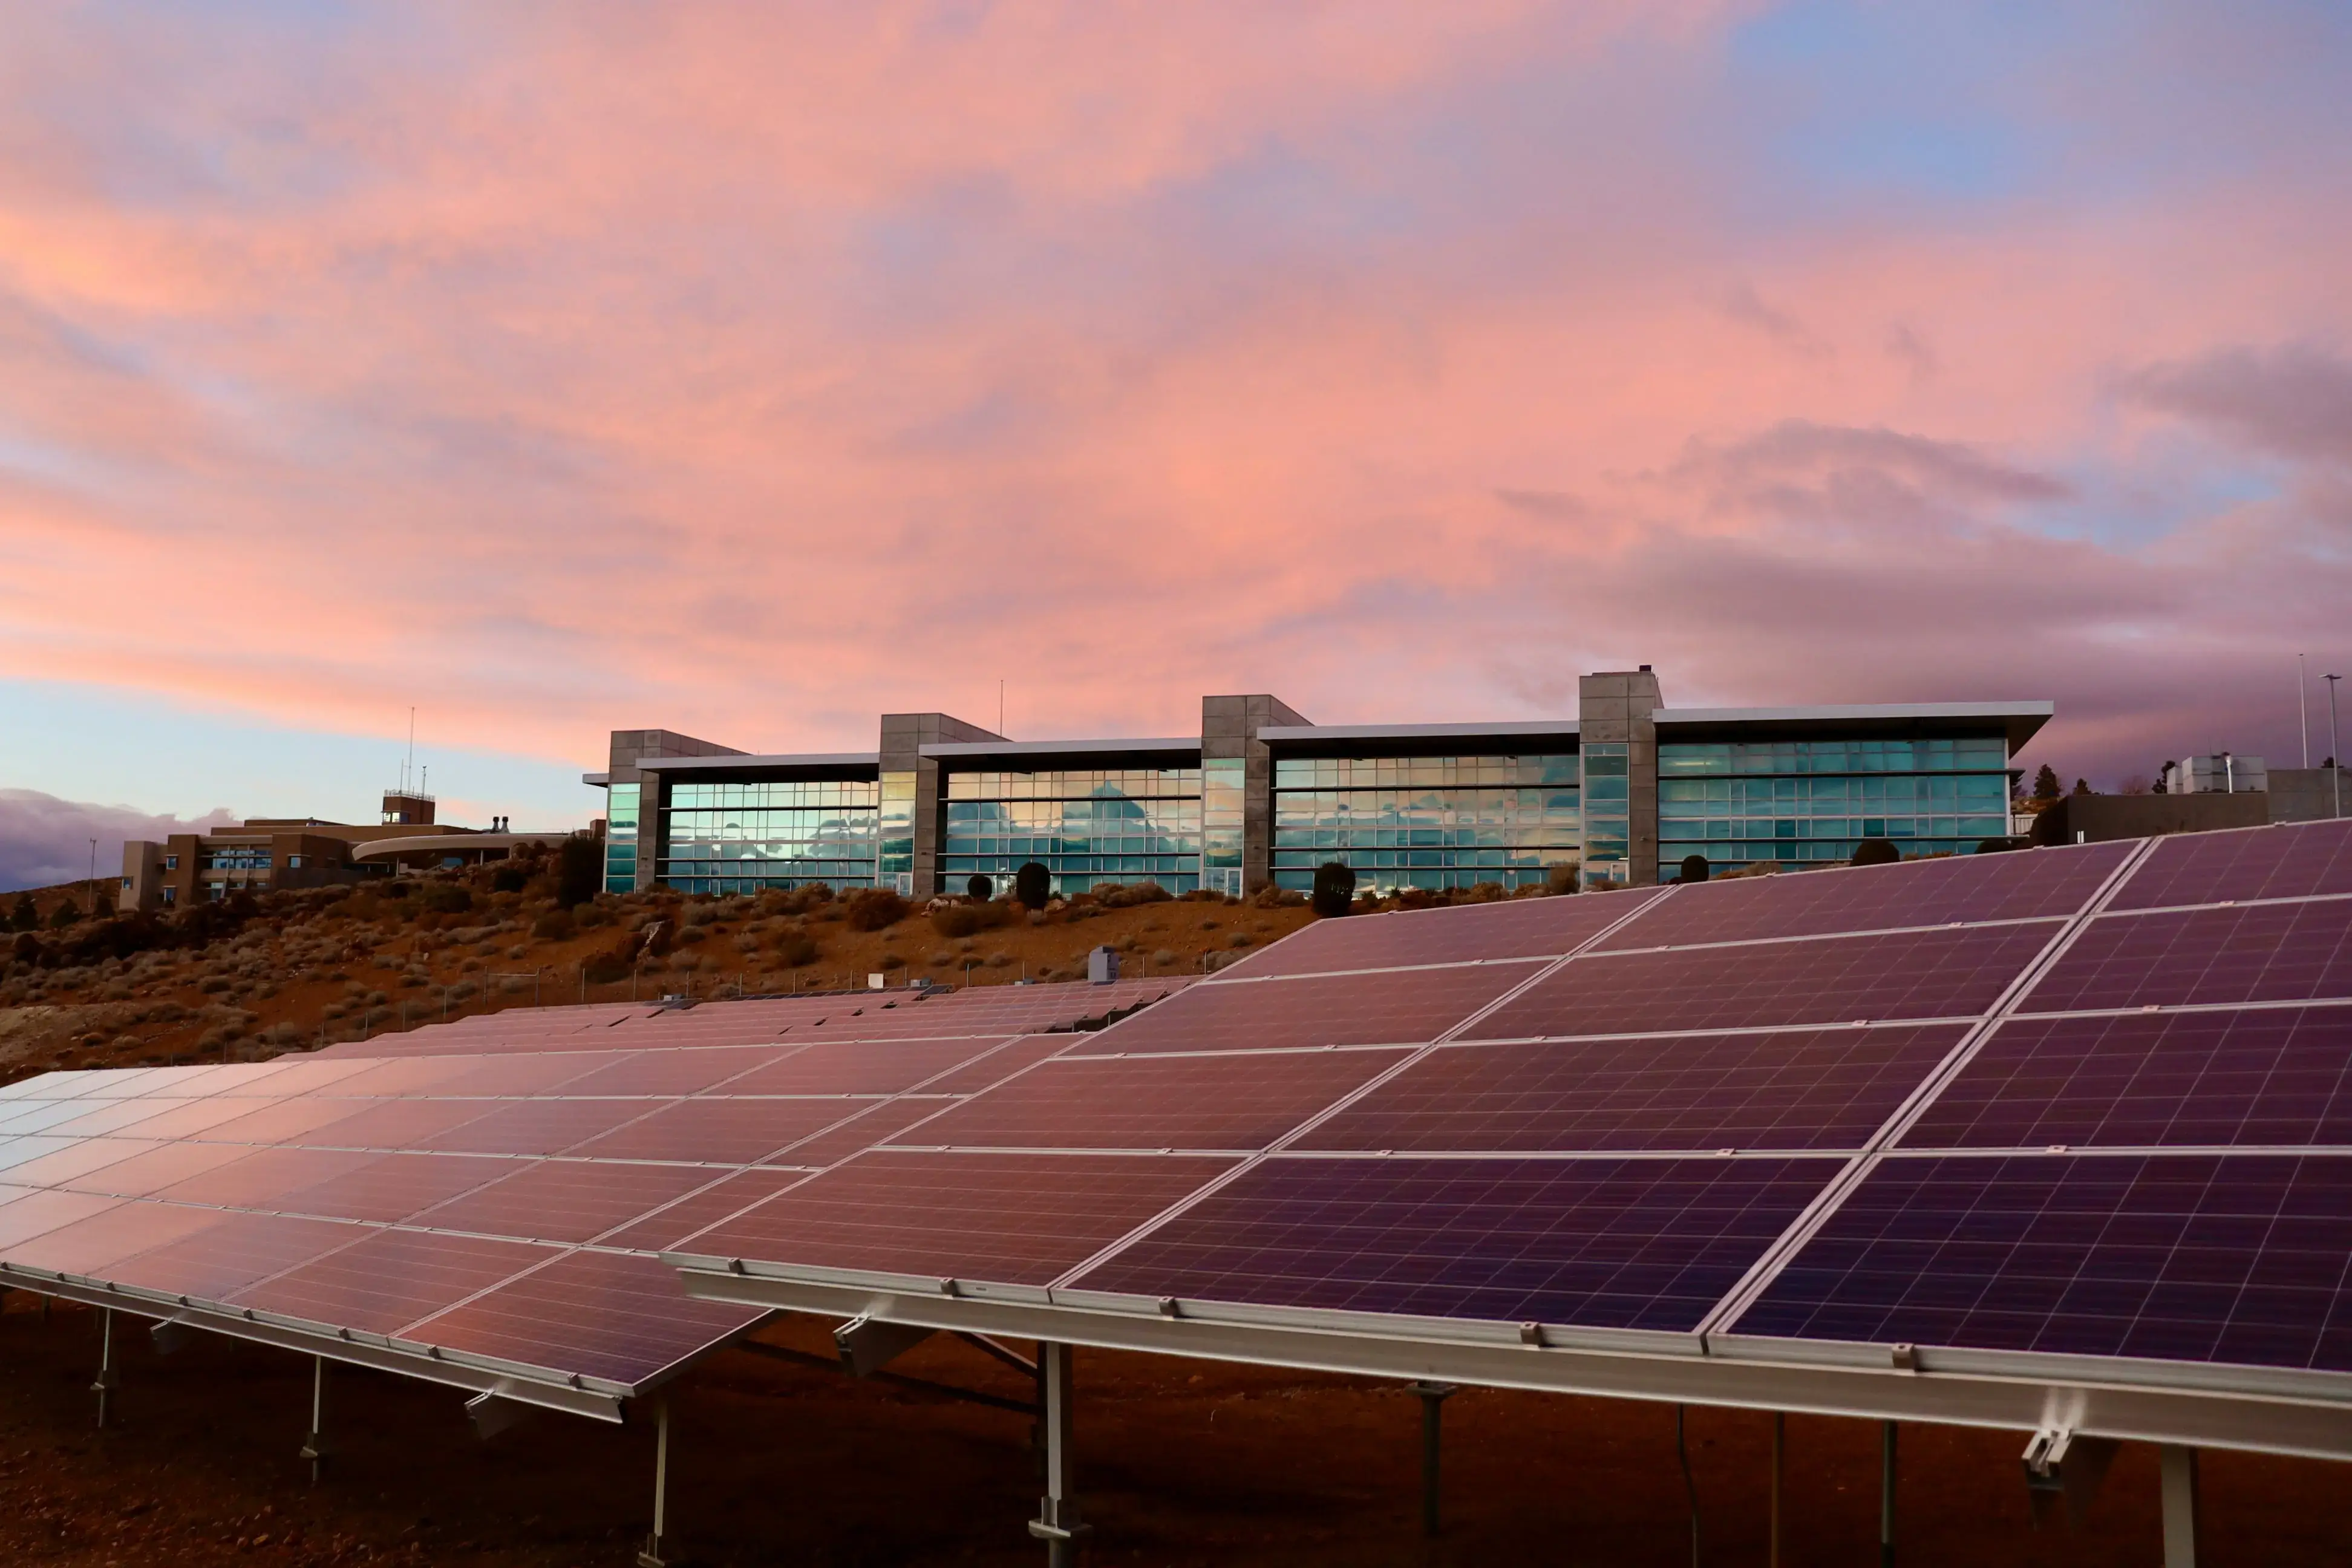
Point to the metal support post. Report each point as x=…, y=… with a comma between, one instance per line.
x=1690, y=1487
x=1780, y=1467
x=1433, y=1398
x=1056, y=1523
x=314, y=1446
x=2176, y=1468
x=1887, y=1494
x=107, y=1381
x=656, y=1543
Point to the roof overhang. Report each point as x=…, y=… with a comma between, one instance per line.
x=768, y=768
x=1161, y=751
x=1496, y=737
x=600, y=781
x=2018, y=721
x=452, y=843
x=2280, y=1412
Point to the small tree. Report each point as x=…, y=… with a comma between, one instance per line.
x=1033, y=884
x=980, y=890
x=1335, y=889
x=508, y=879
x=2045, y=784
x=579, y=871
x=2082, y=786
x=65, y=914
x=1876, y=852
x=26, y=915
x=1993, y=846
x=1694, y=869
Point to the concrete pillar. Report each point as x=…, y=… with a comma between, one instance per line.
x=1235, y=762
x=1618, y=737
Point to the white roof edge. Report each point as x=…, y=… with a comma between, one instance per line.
x=1049, y=748
x=747, y=760
x=1858, y=710
x=1415, y=731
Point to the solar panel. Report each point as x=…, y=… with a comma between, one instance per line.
x=1229, y=1101
x=2271, y=1076
x=232, y=1252
x=721, y=1131
x=1017, y=1219
x=392, y=1186
x=703, y=1208
x=2287, y=860
x=1398, y=1007
x=1961, y=888
x=389, y=1279
x=1528, y=928
x=2180, y=1258
x=2257, y=953
x=1797, y=1090
x=600, y=1314
x=108, y=1237
x=1622, y=1243
x=1944, y=974
x=565, y=1200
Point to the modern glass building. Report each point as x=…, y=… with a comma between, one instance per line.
x=1619, y=794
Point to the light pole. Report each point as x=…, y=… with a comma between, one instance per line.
x=2335, y=745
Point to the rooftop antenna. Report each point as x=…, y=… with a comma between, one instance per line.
x=409, y=760
x=999, y=705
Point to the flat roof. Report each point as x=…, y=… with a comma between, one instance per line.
x=2017, y=719
x=1501, y=728
x=1131, y=746
x=743, y=760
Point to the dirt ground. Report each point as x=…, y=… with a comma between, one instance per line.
x=1181, y=1462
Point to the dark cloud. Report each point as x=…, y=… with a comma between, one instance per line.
x=44, y=840
x=2295, y=401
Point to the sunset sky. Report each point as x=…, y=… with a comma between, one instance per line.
x=749, y=370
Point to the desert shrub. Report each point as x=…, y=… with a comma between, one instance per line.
x=964, y=920
x=449, y=898
x=1239, y=939
x=872, y=909
x=694, y=933
x=587, y=915
x=579, y=870
x=1335, y=889
x=1033, y=884
x=797, y=952
x=555, y=925
x=1273, y=897
x=603, y=968
x=890, y=961
x=1876, y=852
x=63, y=915
x=699, y=914
x=1694, y=869
x=1163, y=957
x=1562, y=879
x=508, y=879
x=1993, y=846
x=981, y=889
x=26, y=915
x=1118, y=896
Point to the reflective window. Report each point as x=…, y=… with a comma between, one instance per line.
x=750, y=837
x=621, y=838
x=1426, y=822
x=1797, y=801
x=1087, y=827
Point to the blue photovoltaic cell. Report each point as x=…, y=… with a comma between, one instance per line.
x=2261, y=952
x=2284, y=861
x=2274, y=1076
x=2238, y=1258
x=1794, y=1090
x=1848, y=979
x=1622, y=1244
x=2043, y=882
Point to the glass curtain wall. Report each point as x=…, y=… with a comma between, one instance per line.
x=1225, y=785
x=750, y=837
x=1608, y=813
x=1425, y=822
x=895, y=865
x=1817, y=800
x=1108, y=824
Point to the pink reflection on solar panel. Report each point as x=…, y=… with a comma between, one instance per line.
x=1883, y=978
x=37, y=1214
x=1020, y=1220
x=62, y=1165
x=395, y=1078
x=1223, y=1102
x=2282, y=861
x=999, y=1064
x=2262, y=953
x=703, y=1208
x=660, y=1073
x=2039, y=884
x=307, y=1075
x=392, y=1186
x=112, y=1116
x=395, y=1123
x=391, y=1278
x=190, y=1119
x=1398, y=1007
x=1522, y=928
x=89, y=1246
x=599, y=1314
x=1808, y=1088
x=721, y=1131
x=161, y=1167
x=286, y=1121
x=264, y=1176
x=859, y=1066
x=232, y=1252
x=538, y=1126
x=888, y=1117
x=565, y=1200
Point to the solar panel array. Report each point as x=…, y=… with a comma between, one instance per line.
x=493, y=1190
x=2087, y=1101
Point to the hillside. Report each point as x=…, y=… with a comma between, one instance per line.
x=258, y=975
